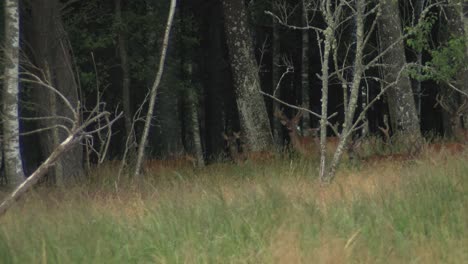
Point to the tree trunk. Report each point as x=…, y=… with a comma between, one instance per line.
x=12, y=155
x=153, y=91
x=52, y=55
x=217, y=82
x=325, y=83
x=419, y=7
x=456, y=29
x=193, y=102
x=191, y=124
x=464, y=16
x=305, y=67
x=166, y=136
x=401, y=103
x=252, y=109
x=275, y=78
x=349, y=123
x=124, y=65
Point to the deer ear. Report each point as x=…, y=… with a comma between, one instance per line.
x=225, y=136
x=236, y=134
x=283, y=122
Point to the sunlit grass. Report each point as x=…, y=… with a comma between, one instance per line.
x=415, y=212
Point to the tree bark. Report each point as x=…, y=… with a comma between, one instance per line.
x=419, y=7
x=456, y=29
x=124, y=65
x=305, y=67
x=401, y=103
x=218, y=92
x=328, y=40
x=12, y=155
x=275, y=78
x=52, y=55
x=252, y=110
x=464, y=17
x=195, y=127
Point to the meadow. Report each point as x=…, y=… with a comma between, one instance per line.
x=276, y=212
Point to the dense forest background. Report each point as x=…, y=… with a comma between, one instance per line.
x=106, y=52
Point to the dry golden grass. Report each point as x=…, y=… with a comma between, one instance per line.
x=258, y=214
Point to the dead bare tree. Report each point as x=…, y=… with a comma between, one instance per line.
x=77, y=130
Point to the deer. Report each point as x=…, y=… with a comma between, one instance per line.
x=238, y=153
x=460, y=133
x=304, y=145
x=233, y=146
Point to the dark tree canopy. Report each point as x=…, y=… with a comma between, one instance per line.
x=87, y=50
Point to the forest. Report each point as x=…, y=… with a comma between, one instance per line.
x=269, y=131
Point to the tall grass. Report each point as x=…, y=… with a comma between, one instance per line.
x=271, y=213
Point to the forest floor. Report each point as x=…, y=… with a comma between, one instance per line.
x=275, y=212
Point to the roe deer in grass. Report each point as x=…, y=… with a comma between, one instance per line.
x=239, y=154
x=305, y=145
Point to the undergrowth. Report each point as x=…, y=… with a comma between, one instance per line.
x=277, y=212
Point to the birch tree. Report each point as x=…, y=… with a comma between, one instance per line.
x=12, y=155
x=252, y=110
x=76, y=131
x=336, y=15
x=153, y=91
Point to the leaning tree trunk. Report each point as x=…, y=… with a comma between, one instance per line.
x=153, y=91
x=403, y=115
x=13, y=164
x=52, y=55
x=252, y=109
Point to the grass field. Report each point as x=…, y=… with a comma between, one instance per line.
x=386, y=212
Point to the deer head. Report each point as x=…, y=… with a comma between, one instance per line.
x=233, y=146
x=239, y=156
x=304, y=145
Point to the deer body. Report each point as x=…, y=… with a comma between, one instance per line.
x=233, y=147
x=240, y=155
x=305, y=145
